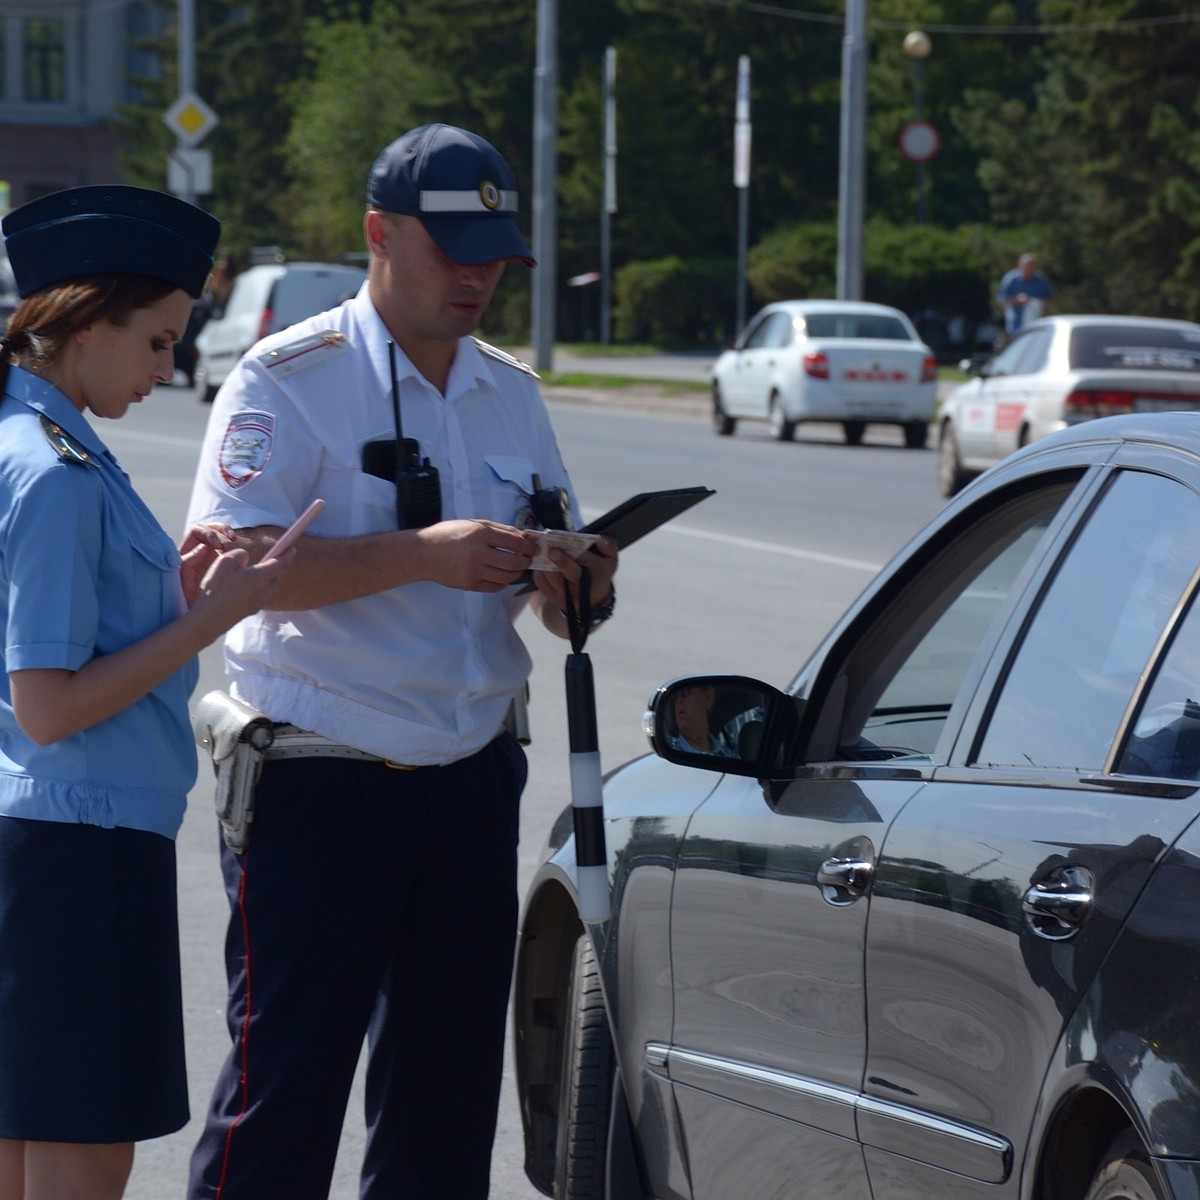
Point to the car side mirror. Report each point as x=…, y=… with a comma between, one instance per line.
x=726, y=723
x=978, y=365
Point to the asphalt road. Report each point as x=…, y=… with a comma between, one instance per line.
x=746, y=582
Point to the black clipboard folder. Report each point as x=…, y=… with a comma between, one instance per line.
x=636, y=517
x=645, y=512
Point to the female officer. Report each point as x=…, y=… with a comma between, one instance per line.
x=101, y=619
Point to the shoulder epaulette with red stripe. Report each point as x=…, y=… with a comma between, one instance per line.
x=305, y=352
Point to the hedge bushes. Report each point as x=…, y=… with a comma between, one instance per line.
x=917, y=268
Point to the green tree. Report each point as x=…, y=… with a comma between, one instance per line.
x=1101, y=157
x=359, y=97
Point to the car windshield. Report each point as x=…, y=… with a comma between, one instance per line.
x=1134, y=347
x=856, y=325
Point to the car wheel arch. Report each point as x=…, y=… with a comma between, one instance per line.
x=783, y=427
x=723, y=423
x=550, y=928
x=1082, y=1132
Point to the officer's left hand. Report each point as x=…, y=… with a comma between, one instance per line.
x=601, y=561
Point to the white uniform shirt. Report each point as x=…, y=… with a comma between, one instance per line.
x=420, y=674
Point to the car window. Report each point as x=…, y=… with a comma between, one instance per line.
x=905, y=673
x=1135, y=347
x=304, y=293
x=1036, y=352
x=857, y=325
x=1096, y=628
x=768, y=331
x=1165, y=740
x=755, y=333
x=1011, y=360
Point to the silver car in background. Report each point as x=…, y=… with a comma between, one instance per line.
x=1061, y=371
x=845, y=361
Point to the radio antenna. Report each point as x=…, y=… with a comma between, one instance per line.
x=395, y=396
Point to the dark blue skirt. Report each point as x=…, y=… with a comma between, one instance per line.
x=91, y=1013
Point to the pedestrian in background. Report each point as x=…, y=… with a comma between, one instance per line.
x=1023, y=294
x=377, y=896
x=102, y=619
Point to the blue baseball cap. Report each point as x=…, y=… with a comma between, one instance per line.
x=110, y=230
x=460, y=189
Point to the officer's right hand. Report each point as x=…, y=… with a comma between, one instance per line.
x=476, y=556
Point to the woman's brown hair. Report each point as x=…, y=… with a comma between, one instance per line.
x=43, y=323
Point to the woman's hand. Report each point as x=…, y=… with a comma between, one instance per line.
x=232, y=588
x=200, y=548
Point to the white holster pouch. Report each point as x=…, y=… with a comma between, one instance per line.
x=236, y=737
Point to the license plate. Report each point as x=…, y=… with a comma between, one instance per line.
x=1156, y=404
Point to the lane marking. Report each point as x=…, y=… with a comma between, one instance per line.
x=727, y=539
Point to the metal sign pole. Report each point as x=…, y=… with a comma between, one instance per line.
x=610, y=193
x=741, y=181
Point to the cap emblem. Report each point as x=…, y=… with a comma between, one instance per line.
x=489, y=193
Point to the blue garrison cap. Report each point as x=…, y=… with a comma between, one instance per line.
x=110, y=230
x=460, y=188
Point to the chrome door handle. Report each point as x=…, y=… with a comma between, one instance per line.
x=851, y=876
x=1056, y=907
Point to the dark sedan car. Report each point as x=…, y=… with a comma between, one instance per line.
x=926, y=924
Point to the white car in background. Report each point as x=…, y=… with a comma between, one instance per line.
x=265, y=299
x=845, y=361
x=1059, y=371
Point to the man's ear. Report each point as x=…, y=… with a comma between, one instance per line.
x=375, y=232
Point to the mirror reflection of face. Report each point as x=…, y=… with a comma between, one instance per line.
x=692, y=706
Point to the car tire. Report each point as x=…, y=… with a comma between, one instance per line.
x=208, y=394
x=586, y=1084
x=723, y=423
x=916, y=435
x=853, y=432
x=950, y=474
x=1125, y=1173
x=782, y=430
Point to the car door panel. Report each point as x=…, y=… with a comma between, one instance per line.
x=767, y=969
x=968, y=992
x=777, y=1159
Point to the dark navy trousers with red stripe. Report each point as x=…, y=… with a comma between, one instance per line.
x=379, y=904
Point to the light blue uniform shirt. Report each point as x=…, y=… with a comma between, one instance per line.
x=85, y=569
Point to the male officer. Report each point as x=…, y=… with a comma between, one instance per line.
x=378, y=892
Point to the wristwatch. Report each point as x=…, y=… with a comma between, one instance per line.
x=600, y=612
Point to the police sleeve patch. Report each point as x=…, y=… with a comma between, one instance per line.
x=304, y=353
x=501, y=356
x=246, y=447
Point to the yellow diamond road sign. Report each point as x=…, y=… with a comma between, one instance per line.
x=190, y=119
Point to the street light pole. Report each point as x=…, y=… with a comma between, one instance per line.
x=186, y=51
x=917, y=46
x=852, y=156
x=741, y=181
x=609, y=205
x=545, y=182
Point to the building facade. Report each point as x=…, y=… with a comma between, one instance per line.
x=66, y=66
